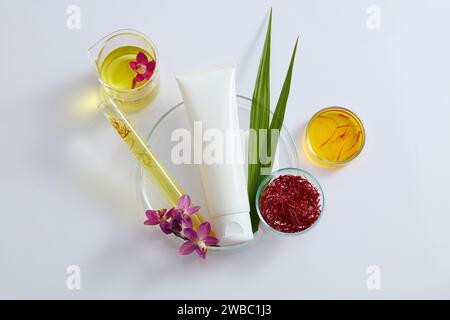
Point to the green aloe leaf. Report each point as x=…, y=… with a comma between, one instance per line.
x=259, y=119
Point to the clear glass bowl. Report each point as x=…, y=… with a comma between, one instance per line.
x=295, y=172
x=188, y=176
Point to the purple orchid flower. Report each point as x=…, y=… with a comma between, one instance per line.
x=179, y=222
x=143, y=67
x=163, y=218
x=176, y=221
x=198, y=241
x=186, y=211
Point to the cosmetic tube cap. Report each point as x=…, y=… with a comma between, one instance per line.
x=233, y=228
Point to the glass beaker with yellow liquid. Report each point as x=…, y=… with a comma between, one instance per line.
x=121, y=60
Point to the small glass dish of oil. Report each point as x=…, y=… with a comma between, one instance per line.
x=111, y=57
x=333, y=137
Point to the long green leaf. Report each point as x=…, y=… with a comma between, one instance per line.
x=280, y=109
x=259, y=119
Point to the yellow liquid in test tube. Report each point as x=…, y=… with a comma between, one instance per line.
x=149, y=161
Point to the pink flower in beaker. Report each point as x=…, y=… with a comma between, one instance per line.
x=142, y=67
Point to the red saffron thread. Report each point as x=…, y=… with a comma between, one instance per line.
x=328, y=139
x=357, y=139
x=340, y=151
x=342, y=136
x=325, y=117
x=290, y=204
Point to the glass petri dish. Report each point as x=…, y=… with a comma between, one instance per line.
x=295, y=172
x=333, y=137
x=188, y=175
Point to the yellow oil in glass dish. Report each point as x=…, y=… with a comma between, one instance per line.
x=115, y=69
x=333, y=137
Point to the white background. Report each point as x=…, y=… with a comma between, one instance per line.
x=67, y=183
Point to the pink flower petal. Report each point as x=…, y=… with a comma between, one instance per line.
x=148, y=74
x=187, y=222
x=190, y=234
x=166, y=227
x=203, y=230
x=151, y=65
x=153, y=217
x=172, y=213
x=200, y=252
x=193, y=210
x=150, y=213
x=184, y=202
x=187, y=248
x=141, y=58
x=211, y=241
x=139, y=78
x=133, y=65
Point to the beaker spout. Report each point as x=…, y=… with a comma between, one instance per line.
x=93, y=54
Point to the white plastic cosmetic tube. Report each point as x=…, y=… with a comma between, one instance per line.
x=210, y=98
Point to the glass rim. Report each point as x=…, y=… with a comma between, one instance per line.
x=309, y=177
x=337, y=163
x=118, y=33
